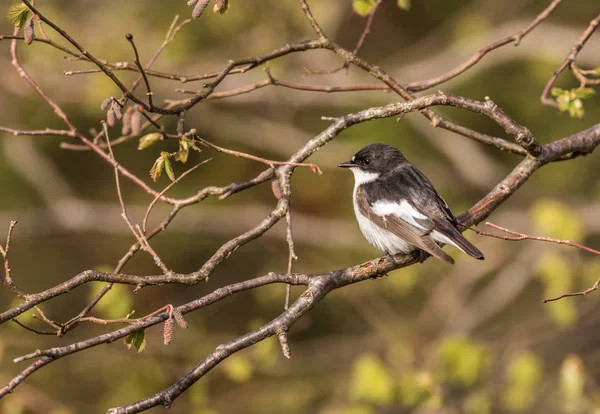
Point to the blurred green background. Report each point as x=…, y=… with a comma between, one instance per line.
x=472, y=338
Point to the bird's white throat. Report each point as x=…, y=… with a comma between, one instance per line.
x=363, y=177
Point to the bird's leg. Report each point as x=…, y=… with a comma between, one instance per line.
x=386, y=255
x=389, y=256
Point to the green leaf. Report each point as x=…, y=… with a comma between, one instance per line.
x=584, y=93
x=363, y=7
x=17, y=14
x=184, y=150
x=157, y=168
x=557, y=91
x=238, y=368
x=149, y=139
x=168, y=166
x=564, y=103
x=371, y=382
x=576, y=109
x=404, y=4
x=137, y=339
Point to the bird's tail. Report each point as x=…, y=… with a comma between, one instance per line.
x=466, y=246
x=455, y=238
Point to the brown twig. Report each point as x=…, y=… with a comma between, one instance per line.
x=174, y=28
x=4, y=252
x=522, y=236
x=517, y=236
x=42, y=317
x=35, y=331
x=15, y=62
x=46, y=131
x=137, y=62
x=359, y=44
x=291, y=255
x=137, y=232
x=46, y=41
x=546, y=100
x=313, y=167
x=594, y=287
x=583, y=76
x=319, y=285
x=463, y=67
x=167, y=188
x=285, y=84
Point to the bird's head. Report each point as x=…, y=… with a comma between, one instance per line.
x=372, y=161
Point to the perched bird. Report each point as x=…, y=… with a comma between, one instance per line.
x=397, y=208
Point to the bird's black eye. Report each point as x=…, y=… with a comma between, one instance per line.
x=367, y=161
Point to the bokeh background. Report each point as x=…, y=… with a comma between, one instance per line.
x=472, y=338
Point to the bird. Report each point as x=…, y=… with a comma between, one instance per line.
x=397, y=208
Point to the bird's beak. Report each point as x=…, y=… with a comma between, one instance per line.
x=347, y=164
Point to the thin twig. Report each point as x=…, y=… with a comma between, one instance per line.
x=313, y=167
x=292, y=253
x=582, y=76
x=47, y=41
x=311, y=19
x=42, y=317
x=359, y=44
x=46, y=131
x=35, y=331
x=137, y=233
x=169, y=37
x=546, y=100
x=569, y=295
x=129, y=37
x=276, y=82
x=167, y=188
x=463, y=67
x=523, y=236
x=517, y=236
x=4, y=252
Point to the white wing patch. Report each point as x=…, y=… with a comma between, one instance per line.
x=403, y=210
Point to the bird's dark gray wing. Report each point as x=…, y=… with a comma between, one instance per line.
x=408, y=184
x=416, y=236
x=444, y=220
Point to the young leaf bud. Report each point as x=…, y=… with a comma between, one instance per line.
x=136, y=122
x=126, y=121
x=28, y=31
x=105, y=103
x=168, y=331
x=179, y=319
x=115, y=107
x=149, y=139
x=199, y=8
x=110, y=117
